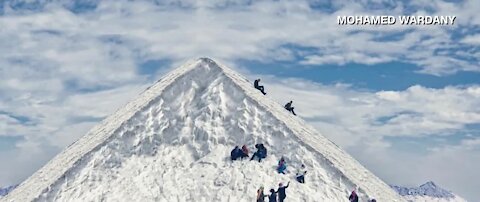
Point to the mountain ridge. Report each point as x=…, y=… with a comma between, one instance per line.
x=428, y=191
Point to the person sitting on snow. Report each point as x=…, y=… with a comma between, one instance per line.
x=259, y=87
x=235, y=153
x=301, y=174
x=244, y=152
x=282, y=166
x=289, y=107
x=261, y=152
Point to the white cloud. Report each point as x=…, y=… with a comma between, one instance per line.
x=255, y=31
x=472, y=39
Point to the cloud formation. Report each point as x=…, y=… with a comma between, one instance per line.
x=405, y=137
x=66, y=64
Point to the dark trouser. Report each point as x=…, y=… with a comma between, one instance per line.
x=281, y=198
x=290, y=109
x=261, y=89
x=244, y=155
x=257, y=154
x=301, y=179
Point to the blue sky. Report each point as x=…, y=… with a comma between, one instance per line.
x=392, y=96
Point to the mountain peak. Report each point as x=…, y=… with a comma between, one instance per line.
x=429, y=184
x=427, y=189
x=173, y=142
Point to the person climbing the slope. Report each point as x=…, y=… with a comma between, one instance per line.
x=235, y=153
x=301, y=174
x=353, y=197
x=244, y=151
x=259, y=87
x=261, y=152
x=281, y=192
x=273, y=196
x=289, y=107
x=282, y=166
x=260, y=195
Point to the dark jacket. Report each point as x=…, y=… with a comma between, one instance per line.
x=235, y=153
x=272, y=197
x=263, y=151
x=256, y=83
x=288, y=105
x=281, y=191
x=353, y=197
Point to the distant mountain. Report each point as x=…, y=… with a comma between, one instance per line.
x=6, y=190
x=427, y=192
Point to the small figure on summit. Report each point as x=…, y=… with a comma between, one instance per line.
x=235, y=153
x=353, y=197
x=301, y=174
x=259, y=87
x=282, y=166
x=289, y=107
x=261, y=152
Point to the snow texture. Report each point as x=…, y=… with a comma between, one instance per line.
x=428, y=192
x=173, y=143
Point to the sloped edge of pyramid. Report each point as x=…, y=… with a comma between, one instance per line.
x=55, y=169
x=341, y=160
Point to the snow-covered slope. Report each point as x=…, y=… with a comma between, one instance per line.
x=428, y=192
x=172, y=143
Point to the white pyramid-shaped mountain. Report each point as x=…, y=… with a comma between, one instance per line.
x=173, y=143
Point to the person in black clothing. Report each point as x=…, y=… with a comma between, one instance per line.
x=273, y=196
x=281, y=191
x=261, y=152
x=259, y=87
x=353, y=197
x=235, y=153
x=289, y=107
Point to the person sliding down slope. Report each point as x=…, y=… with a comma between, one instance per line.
x=244, y=151
x=261, y=152
x=353, y=197
x=259, y=87
x=273, y=196
x=281, y=191
x=301, y=174
x=282, y=166
x=289, y=107
x=260, y=195
x=235, y=153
